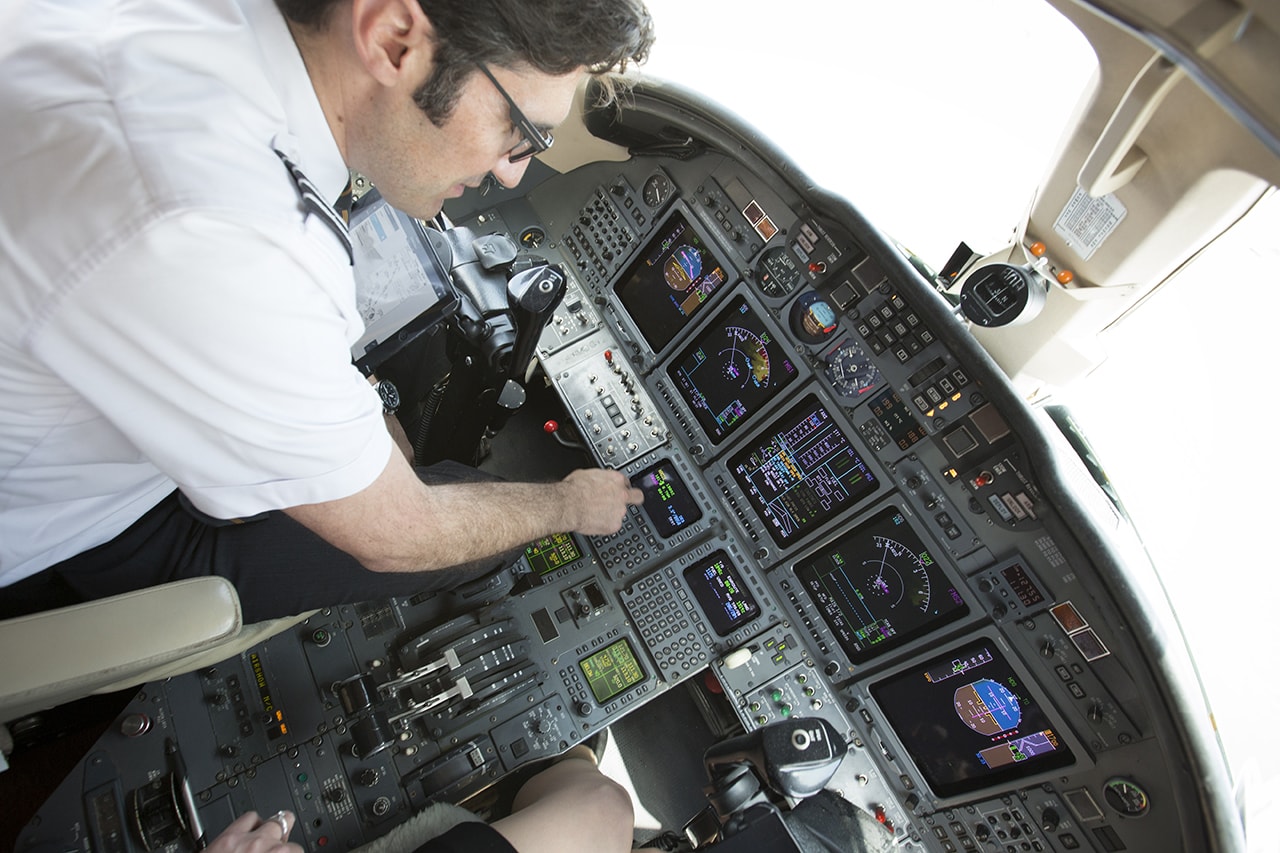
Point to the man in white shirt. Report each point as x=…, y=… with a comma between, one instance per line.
x=176, y=322
x=173, y=320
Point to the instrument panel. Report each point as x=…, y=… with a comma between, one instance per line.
x=839, y=520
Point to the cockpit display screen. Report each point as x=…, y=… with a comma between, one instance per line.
x=669, y=281
x=667, y=500
x=721, y=594
x=968, y=721
x=612, y=670
x=801, y=472
x=877, y=586
x=730, y=370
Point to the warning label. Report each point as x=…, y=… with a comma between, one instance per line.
x=1086, y=222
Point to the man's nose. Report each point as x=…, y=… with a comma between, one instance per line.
x=508, y=174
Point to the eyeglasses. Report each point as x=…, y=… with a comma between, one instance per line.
x=535, y=140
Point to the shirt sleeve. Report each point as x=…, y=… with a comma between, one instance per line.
x=221, y=348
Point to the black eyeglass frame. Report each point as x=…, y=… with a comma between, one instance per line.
x=536, y=140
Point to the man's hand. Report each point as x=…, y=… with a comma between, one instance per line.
x=596, y=500
x=251, y=834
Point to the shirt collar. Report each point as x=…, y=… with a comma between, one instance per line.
x=307, y=139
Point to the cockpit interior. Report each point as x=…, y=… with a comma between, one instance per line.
x=879, y=561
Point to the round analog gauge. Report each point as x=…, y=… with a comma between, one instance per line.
x=1127, y=797
x=777, y=272
x=532, y=237
x=812, y=319
x=897, y=576
x=850, y=370
x=656, y=190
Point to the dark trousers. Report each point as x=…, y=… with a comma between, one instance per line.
x=278, y=567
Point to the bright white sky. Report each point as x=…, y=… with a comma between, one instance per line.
x=937, y=120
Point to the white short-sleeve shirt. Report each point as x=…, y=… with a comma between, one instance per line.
x=170, y=316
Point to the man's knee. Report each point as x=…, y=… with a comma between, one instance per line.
x=611, y=803
x=571, y=806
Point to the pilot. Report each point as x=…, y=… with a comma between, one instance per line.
x=177, y=310
x=176, y=297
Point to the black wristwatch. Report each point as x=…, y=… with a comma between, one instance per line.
x=390, y=397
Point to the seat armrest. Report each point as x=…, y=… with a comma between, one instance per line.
x=51, y=657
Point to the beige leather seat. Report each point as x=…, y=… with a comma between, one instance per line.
x=115, y=643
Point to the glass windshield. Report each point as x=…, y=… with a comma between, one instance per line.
x=931, y=118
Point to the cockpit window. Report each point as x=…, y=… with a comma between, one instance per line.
x=936, y=121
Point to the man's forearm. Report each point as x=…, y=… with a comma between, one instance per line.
x=399, y=524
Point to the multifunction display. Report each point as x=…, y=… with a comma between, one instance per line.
x=731, y=370
x=720, y=592
x=612, y=670
x=667, y=500
x=669, y=281
x=801, y=472
x=968, y=721
x=878, y=586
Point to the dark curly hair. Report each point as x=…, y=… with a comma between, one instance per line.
x=550, y=36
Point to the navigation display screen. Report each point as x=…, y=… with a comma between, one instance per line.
x=968, y=722
x=732, y=369
x=801, y=472
x=720, y=592
x=667, y=500
x=878, y=586
x=669, y=281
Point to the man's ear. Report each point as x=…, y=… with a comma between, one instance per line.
x=392, y=39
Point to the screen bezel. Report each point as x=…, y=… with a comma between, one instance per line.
x=631, y=648
x=668, y=386
x=661, y=523
x=741, y=446
x=631, y=272
x=900, y=640
x=718, y=620
x=975, y=787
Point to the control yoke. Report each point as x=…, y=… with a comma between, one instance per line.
x=505, y=301
x=791, y=759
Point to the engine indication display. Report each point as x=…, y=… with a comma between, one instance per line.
x=877, y=586
x=801, y=472
x=731, y=370
x=968, y=720
x=671, y=278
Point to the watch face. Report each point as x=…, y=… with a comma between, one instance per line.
x=390, y=397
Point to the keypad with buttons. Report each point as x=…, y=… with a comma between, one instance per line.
x=670, y=624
